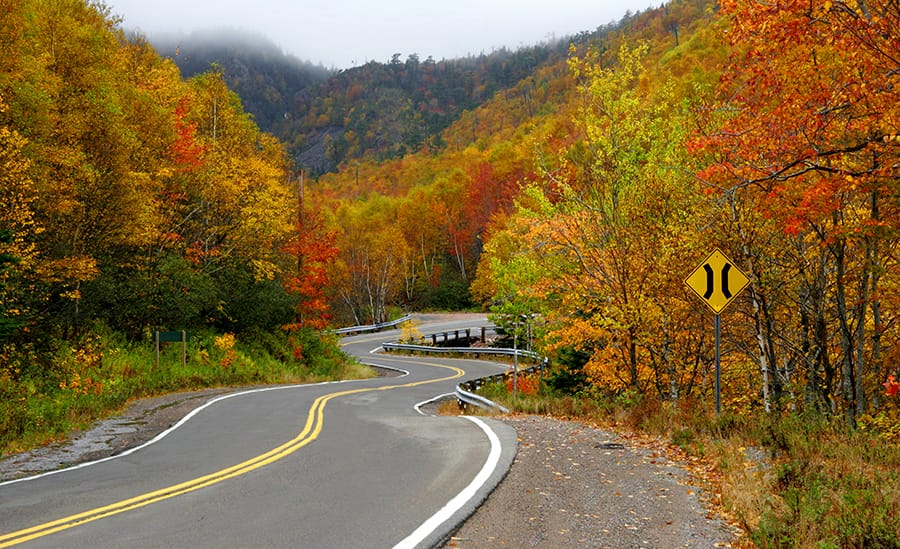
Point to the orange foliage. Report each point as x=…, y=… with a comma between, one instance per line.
x=891, y=387
x=187, y=151
x=526, y=384
x=314, y=249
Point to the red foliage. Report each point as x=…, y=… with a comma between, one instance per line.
x=891, y=387
x=187, y=152
x=314, y=248
x=525, y=384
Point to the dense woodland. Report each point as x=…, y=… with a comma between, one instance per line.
x=575, y=189
x=267, y=80
x=381, y=110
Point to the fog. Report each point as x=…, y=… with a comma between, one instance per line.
x=347, y=33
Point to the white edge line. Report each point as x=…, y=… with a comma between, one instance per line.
x=455, y=504
x=181, y=422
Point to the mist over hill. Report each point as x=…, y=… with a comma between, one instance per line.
x=258, y=70
x=380, y=110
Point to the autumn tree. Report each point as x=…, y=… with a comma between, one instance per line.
x=18, y=229
x=806, y=137
x=151, y=201
x=367, y=274
x=606, y=235
x=313, y=246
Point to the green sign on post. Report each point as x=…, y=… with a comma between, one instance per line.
x=164, y=337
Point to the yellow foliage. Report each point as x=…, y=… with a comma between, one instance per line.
x=224, y=342
x=409, y=332
x=264, y=270
x=885, y=423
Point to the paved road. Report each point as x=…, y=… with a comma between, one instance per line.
x=332, y=465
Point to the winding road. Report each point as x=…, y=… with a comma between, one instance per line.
x=349, y=464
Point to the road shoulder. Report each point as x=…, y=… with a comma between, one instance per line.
x=574, y=485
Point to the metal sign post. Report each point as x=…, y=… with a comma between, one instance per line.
x=717, y=282
x=718, y=365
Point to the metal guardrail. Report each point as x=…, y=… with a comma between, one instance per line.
x=465, y=397
x=372, y=327
x=459, y=350
x=465, y=392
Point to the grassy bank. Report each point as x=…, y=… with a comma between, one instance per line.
x=46, y=393
x=788, y=480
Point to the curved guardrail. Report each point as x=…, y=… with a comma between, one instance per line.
x=465, y=392
x=372, y=327
x=465, y=397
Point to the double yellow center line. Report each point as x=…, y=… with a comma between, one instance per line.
x=310, y=432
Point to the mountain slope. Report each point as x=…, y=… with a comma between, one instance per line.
x=266, y=79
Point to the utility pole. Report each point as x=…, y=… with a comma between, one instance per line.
x=300, y=220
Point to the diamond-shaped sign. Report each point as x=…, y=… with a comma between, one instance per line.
x=717, y=281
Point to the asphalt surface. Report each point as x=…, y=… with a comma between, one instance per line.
x=332, y=465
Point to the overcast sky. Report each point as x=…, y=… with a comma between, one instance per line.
x=346, y=33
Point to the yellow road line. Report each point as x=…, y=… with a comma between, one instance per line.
x=310, y=432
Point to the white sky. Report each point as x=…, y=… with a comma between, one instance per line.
x=346, y=33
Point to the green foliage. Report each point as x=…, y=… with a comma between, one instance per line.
x=8, y=325
x=451, y=293
x=567, y=375
x=44, y=395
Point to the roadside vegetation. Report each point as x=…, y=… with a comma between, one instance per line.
x=76, y=383
x=786, y=480
x=573, y=203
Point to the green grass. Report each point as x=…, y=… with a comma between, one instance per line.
x=44, y=396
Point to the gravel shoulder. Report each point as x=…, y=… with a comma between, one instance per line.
x=571, y=484
x=574, y=485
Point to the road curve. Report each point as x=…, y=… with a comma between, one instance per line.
x=350, y=464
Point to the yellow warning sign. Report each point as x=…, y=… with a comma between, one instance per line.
x=717, y=281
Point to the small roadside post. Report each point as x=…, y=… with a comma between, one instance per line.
x=717, y=281
x=515, y=366
x=163, y=337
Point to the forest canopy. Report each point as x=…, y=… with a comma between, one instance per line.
x=577, y=189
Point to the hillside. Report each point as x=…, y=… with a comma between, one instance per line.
x=267, y=80
x=570, y=193
x=381, y=110
x=387, y=110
